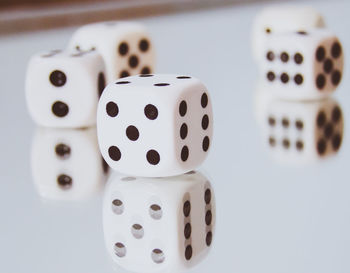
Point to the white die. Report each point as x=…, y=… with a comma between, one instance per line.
x=126, y=47
x=279, y=19
x=303, y=66
x=299, y=133
x=63, y=88
x=67, y=164
x=156, y=224
x=155, y=125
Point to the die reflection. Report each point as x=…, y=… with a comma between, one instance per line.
x=66, y=163
x=158, y=224
x=300, y=132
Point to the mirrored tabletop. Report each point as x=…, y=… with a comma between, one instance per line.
x=282, y=205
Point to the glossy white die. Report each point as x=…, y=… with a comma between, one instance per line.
x=155, y=125
x=126, y=47
x=153, y=224
x=303, y=65
x=63, y=88
x=298, y=133
x=280, y=19
x=67, y=164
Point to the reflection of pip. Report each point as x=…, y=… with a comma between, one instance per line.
x=67, y=164
x=302, y=132
x=156, y=224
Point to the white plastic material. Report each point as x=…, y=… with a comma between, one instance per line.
x=118, y=42
x=63, y=88
x=169, y=118
x=302, y=66
x=282, y=18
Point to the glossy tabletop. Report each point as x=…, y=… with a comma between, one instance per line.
x=270, y=216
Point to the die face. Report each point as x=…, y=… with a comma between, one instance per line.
x=148, y=139
x=328, y=65
x=66, y=164
x=139, y=58
x=63, y=88
x=126, y=48
x=152, y=224
x=279, y=19
x=193, y=120
x=303, y=132
x=294, y=69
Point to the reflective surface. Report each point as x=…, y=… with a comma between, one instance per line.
x=271, y=217
x=67, y=164
x=299, y=133
x=158, y=224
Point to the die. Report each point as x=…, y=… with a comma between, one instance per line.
x=126, y=47
x=153, y=224
x=63, y=88
x=280, y=19
x=154, y=125
x=303, y=132
x=304, y=65
x=66, y=164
